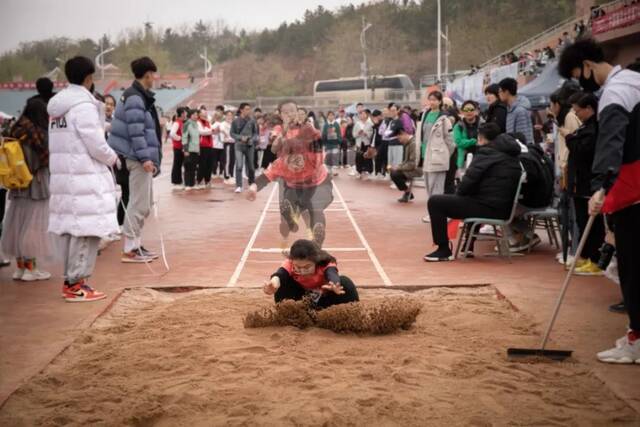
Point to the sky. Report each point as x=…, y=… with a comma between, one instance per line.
x=29, y=20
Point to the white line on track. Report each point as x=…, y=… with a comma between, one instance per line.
x=372, y=255
x=279, y=250
x=252, y=240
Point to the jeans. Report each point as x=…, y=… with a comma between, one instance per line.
x=244, y=154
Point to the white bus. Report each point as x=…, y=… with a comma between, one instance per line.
x=398, y=87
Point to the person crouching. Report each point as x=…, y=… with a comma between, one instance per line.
x=403, y=174
x=310, y=271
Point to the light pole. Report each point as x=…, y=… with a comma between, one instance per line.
x=207, y=63
x=100, y=58
x=439, y=73
x=363, y=45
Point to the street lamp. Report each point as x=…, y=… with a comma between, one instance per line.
x=100, y=58
x=363, y=45
x=207, y=63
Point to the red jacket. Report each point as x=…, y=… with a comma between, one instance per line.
x=206, y=141
x=177, y=143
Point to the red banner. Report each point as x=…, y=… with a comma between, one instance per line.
x=28, y=85
x=622, y=17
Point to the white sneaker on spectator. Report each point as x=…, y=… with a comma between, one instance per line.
x=486, y=229
x=103, y=244
x=18, y=274
x=33, y=275
x=238, y=190
x=426, y=219
x=626, y=353
x=230, y=181
x=393, y=186
x=177, y=187
x=353, y=172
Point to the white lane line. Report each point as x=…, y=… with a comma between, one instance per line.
x=374, y=259
x=279, y=260
x=279, y=250
x=326, y=210
x=252, y=240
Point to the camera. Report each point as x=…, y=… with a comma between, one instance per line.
x=606, y=253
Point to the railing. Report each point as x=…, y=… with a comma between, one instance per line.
x=567, y=24
x=619, y=18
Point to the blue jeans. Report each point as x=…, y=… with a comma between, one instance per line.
x=244, y=152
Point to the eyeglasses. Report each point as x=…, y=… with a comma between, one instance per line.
x=468, y=110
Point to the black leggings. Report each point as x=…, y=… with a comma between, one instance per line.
x=229, y=159
x=362, y=164
x=382, y=158
x=591, y=248
x=445, y=206
x=627, y=232
x=190, y=166
x=122, y=179
x=205, y=165
x=218, y=161
x=290, y=289
x=176, y=170
x=400, y=180
x=314, y=200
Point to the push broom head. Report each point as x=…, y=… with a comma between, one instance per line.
x=520, y=353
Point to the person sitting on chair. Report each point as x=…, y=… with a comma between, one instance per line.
x=486, y=191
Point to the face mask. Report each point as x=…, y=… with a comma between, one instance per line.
x=589, y=85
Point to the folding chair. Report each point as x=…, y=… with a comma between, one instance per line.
x=470, y=230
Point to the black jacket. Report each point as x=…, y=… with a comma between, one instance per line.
x=492, y=178
x=582, y=150
x=497, y=113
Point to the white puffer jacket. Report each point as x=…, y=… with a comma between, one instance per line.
x=83, y=197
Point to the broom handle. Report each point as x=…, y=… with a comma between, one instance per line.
x=567, y=279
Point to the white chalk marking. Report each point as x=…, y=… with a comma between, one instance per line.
x=252, y=240
x=279, y=250
x=372, y=255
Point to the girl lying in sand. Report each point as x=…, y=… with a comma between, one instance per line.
x=310, y=271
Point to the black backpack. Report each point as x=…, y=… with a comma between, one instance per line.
x=537, y=191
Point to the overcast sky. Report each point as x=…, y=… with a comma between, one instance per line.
x=28, y=20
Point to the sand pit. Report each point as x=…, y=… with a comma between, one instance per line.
x=186, y=359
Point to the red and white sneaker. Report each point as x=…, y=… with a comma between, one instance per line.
x=81, y=292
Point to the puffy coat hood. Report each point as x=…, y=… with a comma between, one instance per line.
x=521, y=101
x=68, y=98
x=506, y=144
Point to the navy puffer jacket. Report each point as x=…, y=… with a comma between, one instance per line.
x=134, y=129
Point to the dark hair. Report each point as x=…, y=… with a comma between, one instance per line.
x=489, y=131
x=36, y=112
x=573, y=55
x=437, y=95
x=141, y=66
x=586, y=100
x=181, y=110
x=376, y=113
x=257, y=110
x=493, y=89
x=78, y=68
x=242, y=105
x=393, y=104
x=112, y=98
x=44, y=85
x=470, y=101
x=302, y=109
x=561, y=96
x=99, y=96
x=509, y=85
x=330, y=112
x=220, y=108
x=308, y=250
x=359, y=104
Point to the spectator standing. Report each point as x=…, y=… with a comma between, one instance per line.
x=178, y=154
x=205, y=161
x=82, y=206
x=229, y=148
x=135, y=134
x=362, y=133
x=244, y=131
x=191, y=148
x=331, y=141
x=518, y=117
x=497, y=110
x=25, y=225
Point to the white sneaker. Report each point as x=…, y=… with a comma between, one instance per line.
x=33, y=275
x=199, y=187
x=486, y=229
x=18, y=274
x=393, y=186
x=426, y=219
x=352, y=172
x=208, y=185
x=103, y=244
x=626, y=353
x=188, y=189
x=177, y=187
x=238, y=190
x=366, y=176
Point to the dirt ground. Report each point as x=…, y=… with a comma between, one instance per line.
x=168, y=359
x=207, y=235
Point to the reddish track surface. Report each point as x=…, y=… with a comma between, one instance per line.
x=206, y=234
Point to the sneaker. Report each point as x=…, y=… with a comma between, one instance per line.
x=588, y=268
x=426, y=219
x=618, y=308
x=208, y=185
x=81, y=292
x=177, y=187
x=199, y=187
x=35, y=274
x=627, y=353
x=352, y=172
x=103, y=244
x=18, y=274
x=579, y=264
x=486, y=229
x=406, y=198
x=287, y=212
x=5, y=263
x=148, y=253
x=393, y=186
x=441, y=254
x=238, y=190
x=229, y=181
x=318, y=234
x=135, y=257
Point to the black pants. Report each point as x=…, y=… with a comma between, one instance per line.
x=450, y=179
x=445, y=206
x=229, y=159
x=400, y=180
x=314, y=200
x=627, y=232
x=382, y=158
x=591, y=248
x=218, y=161
x=205, y=165
x=3, y=203
x=362, y=164
x=176, y=170
x=290, y=289
x=268, y=158
x=190, y=166
x=122, y=179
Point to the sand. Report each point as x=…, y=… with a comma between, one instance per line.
x=186, y=359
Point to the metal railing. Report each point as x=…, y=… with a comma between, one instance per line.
x=561, y=26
